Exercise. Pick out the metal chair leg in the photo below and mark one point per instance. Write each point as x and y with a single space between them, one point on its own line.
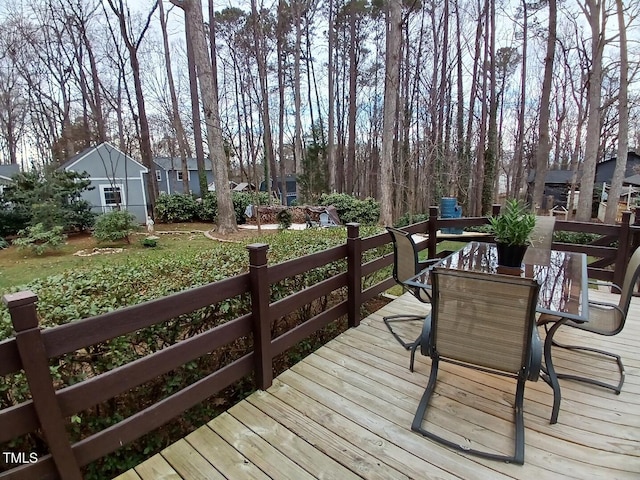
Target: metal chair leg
616 388
416 425
401 318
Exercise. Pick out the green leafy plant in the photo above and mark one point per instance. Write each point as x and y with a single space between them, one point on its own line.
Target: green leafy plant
350 209
176 208
115 226
513 226
284 218
51 197
40 239
150 242
3 243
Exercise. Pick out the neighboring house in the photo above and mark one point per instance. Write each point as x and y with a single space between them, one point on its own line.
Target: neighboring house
6 174
118 180
170 179
604 169
235 187
292 188
556 184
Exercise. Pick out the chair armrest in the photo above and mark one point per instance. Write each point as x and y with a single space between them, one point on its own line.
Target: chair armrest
424 294
607 305
425 336
600 283
429 262
535 359
423 341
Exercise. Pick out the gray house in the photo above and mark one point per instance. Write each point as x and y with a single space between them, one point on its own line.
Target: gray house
6 172
118 180
170 178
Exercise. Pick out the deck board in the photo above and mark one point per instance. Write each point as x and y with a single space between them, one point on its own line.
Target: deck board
344 412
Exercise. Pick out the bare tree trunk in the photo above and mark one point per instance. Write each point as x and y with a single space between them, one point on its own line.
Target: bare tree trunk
544 141
331 148
281 33
623 122
212 45
484 115
353 79
593 10
193 15
457 172
258 38
297 94
518 158
471 114
391 88
175 114
491 156
145 140
195 114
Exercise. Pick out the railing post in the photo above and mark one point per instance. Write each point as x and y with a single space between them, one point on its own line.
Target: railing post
432 231
623 254
354 273
259 275
35 363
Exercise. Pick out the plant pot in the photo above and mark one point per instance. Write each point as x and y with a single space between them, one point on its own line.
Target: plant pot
510 255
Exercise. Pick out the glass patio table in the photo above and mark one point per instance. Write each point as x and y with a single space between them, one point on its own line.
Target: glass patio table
563 289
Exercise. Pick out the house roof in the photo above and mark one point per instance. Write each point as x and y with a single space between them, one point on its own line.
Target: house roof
173 164
554 176
69 164
631 157
8 171
633 179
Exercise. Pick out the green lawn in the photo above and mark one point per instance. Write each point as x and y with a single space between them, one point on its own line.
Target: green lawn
18 267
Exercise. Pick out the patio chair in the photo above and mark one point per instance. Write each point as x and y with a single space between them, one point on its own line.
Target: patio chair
406 264
486 322
604 319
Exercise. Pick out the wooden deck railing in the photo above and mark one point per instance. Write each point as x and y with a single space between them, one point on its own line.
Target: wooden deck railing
49 410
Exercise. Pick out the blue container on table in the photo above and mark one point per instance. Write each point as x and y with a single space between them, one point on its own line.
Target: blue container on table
449 208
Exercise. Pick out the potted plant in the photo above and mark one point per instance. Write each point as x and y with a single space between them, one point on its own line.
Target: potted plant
512 230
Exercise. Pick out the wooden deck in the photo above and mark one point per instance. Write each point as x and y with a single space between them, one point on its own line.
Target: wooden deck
345 412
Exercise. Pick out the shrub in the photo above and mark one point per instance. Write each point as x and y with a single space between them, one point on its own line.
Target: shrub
176 208
115 226
150 242
50 197
241 200
410 219
207 207
579 238
3 243
350 209
40 239
284 219
12 220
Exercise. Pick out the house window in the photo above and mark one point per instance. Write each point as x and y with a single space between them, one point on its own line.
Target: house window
179 175
112 197
158 175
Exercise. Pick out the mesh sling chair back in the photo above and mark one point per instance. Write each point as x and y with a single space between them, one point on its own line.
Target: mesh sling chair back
406 264
486 322
605 319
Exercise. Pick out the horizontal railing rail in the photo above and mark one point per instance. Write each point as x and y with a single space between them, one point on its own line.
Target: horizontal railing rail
49 409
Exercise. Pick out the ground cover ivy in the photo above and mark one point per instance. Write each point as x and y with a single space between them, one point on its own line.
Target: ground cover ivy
85 292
